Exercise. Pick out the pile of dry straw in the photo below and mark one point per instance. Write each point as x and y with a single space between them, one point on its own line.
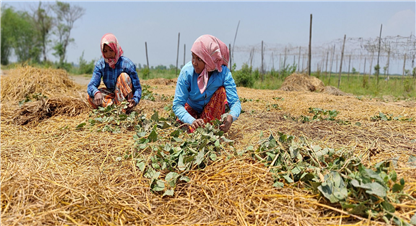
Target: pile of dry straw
53 174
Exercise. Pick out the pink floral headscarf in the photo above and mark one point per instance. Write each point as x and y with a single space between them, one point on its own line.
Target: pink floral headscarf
214 53
111 41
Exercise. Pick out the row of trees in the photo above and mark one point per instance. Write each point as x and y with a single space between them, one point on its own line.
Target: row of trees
31 35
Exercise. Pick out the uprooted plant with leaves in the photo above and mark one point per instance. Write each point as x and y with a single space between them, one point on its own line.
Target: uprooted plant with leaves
338 175
165 154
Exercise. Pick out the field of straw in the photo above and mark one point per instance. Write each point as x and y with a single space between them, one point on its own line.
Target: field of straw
54 174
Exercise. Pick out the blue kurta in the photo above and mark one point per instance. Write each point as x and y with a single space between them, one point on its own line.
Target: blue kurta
187 91
110 75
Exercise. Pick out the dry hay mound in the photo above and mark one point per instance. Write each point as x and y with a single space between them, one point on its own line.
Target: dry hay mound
302 82
335 91
160 81
26 81
33 112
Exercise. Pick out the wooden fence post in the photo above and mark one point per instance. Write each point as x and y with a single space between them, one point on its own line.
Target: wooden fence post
310 47
378 57
184 52
177 54
298 61
229 53
340 66
262 68
147 58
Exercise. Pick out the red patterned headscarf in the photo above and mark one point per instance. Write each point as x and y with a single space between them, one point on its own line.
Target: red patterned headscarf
214 53
111 40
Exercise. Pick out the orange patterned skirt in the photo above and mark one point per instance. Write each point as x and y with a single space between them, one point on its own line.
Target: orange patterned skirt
123 91
213 110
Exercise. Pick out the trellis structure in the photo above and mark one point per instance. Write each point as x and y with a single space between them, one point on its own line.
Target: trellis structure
397 55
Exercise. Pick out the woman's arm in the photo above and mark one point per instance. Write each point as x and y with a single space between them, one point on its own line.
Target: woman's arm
95 80
232 96
181 96
137 88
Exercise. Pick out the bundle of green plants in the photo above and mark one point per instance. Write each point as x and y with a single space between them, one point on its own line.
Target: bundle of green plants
338 175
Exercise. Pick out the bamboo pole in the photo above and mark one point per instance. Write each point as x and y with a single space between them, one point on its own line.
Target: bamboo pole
299 61
147 58
230 63
378 57
262 66
184 52
310 47
340 66
177 53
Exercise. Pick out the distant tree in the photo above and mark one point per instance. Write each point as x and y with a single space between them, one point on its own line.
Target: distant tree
66 15
354 71
19 35
7 17
44 25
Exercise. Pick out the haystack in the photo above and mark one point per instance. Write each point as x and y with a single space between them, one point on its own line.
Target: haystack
23 82
34 112
302 82
335 91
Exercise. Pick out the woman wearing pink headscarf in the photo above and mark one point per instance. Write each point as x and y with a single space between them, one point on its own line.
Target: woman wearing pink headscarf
118 74
205 86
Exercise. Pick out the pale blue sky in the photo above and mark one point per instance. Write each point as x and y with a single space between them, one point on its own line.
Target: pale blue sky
273 22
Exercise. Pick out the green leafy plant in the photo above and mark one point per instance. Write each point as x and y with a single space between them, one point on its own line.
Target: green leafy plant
112 118
389 117
339 176
179 153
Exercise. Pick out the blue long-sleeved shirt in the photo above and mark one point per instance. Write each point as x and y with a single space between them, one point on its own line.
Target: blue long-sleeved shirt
187 91
109 76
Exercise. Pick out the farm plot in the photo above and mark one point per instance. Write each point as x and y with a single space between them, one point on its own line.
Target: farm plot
292 158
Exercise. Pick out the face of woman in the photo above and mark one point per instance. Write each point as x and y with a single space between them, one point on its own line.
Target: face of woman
108 52
198 64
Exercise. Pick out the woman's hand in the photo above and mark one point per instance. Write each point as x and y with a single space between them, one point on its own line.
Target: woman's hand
131 104
198 123
227 124
98 99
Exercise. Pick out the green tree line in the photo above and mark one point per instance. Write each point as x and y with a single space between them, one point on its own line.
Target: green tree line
30 36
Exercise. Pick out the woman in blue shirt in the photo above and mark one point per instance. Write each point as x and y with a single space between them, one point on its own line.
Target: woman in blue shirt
119 76
205 86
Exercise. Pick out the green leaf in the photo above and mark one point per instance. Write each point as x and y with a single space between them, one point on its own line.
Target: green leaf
278 184
80 126
397 188
388 207
171 178
287 178
370 174
393 175
184 178
217 143
159 186
155 116
153 136
168 192
141 165
377 189
333 188
181 166
200 157
213 156
413 219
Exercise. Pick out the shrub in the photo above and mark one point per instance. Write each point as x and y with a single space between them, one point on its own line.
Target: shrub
243 77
